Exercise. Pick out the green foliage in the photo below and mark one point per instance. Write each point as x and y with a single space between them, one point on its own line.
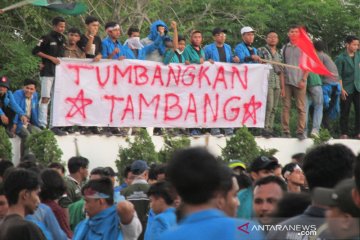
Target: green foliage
324 137
142 148
171 145
241 146
268 152
44 146
5 145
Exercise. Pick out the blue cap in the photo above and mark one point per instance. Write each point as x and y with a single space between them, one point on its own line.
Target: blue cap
138 167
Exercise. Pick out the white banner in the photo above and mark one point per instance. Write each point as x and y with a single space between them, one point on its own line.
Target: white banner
134 93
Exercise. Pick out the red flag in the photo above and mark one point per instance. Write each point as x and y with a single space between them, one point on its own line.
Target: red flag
309 60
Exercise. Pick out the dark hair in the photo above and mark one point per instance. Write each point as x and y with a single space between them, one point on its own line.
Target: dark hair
152 172
294 26
90 19
163 190
75 163
195 31
319 45
28 157
291 205
357 172
326 165
270 31
195 173
127 170
161 169
351 38
32 166
5 164
57 166
181 38
226 183
102 185
244 181
74 30
100 171
132 30
57 20
299 157
110 24
271 179
28 81
53 185
18 180
287 167
2 192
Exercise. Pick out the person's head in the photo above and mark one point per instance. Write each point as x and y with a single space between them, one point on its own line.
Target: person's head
356 190
219 35
21 188
342 215
161 29
227 200
98 195
161 195
57 167
128 176
319 45
352 43
196 38
79 165
237 166
293 33
248 35
28 157
29 87
133 32
168 42
326 165
113 30
160 172
140 169
277 171
4 85
58 24
74 35
243 180
298 158
181 43
267 193
262 166
293 174
272 39
4 206
53 185
291 205
92 25
196 175
32 166
4 164
109 172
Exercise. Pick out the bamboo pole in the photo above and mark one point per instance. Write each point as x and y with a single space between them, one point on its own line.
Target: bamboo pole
16 5
280 64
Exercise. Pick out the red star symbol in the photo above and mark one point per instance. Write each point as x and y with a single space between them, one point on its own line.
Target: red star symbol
250 110
75 108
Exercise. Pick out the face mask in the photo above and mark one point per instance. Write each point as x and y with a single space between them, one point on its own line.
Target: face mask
134 43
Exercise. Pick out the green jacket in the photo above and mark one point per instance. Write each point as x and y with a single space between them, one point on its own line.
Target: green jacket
349 71
193 56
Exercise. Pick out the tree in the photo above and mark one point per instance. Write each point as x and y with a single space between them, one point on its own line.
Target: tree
171 145
44 146
5 145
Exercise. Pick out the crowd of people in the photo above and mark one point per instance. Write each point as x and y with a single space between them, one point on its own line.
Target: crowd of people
324 97
193 196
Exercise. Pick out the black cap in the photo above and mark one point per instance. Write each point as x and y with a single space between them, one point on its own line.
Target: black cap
261 163
340 197
4 82
218 30
138 167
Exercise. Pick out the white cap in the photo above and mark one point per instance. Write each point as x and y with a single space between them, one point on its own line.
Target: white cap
246 30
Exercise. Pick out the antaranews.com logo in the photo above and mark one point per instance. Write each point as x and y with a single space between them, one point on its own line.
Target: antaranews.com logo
303 230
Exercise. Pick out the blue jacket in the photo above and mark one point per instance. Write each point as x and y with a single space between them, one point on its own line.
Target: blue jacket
211 52
333 97
150 221
241 51
9 101
102 226
108 46
212 224
19 96
154 34
129 54
162 222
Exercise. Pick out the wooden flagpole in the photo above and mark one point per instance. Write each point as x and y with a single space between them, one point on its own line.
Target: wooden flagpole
16 5
280 64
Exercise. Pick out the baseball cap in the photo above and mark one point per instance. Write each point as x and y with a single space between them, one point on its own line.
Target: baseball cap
246 30
4 82
138 167
261 163
218 30
339 197
236 163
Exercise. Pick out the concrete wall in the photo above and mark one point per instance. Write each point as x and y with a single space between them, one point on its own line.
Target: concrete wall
103 151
